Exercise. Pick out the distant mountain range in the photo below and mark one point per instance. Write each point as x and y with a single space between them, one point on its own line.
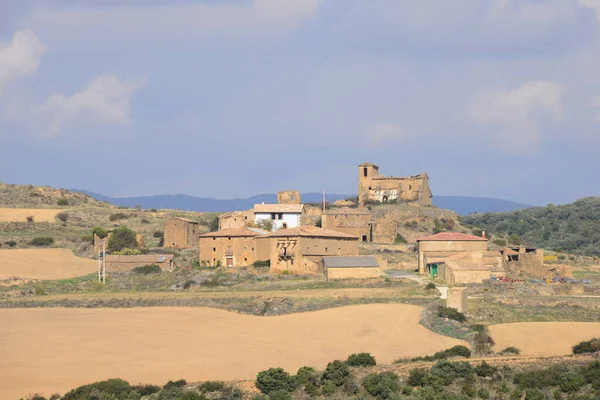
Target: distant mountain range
460 204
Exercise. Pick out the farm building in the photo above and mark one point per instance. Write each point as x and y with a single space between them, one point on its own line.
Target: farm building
435 248
344 267
181 233
235 219
468 267
283 216
234 247
127 263
353 221
301 250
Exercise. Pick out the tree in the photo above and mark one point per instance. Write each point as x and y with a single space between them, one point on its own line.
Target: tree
265 225
100 232
214 224
122 238
514 239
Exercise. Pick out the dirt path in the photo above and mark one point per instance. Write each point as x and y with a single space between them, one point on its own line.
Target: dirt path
44 264
53 350
543 338
21 214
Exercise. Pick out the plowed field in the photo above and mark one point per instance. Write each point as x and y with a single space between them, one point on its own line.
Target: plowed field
44 264
21 214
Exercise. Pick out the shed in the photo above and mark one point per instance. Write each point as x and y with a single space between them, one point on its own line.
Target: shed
345 267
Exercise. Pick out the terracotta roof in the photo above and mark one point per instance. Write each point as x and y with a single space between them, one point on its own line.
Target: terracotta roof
236 232
347 210
279 208
451 237
185 220
312 231
141 258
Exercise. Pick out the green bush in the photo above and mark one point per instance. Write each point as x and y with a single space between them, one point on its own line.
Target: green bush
11 243
158 234
117 217
211 386
62 202
483 393
100 232
214 224
448 371
361 360
179 384
571 382
42 241
147 269
587 346
399 239
63 216
417 377
451 313
112 388
382 386
482 343
275 379
539 378
122 238
430 286
191 395
485 370
336 372
478 328
511 350
328 388
304 374
146 390
500 242
280 395
261 264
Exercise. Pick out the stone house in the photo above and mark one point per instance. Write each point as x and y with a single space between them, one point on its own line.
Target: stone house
374 187
235 219
301 250
289 197
470 267
127 263
283 216
238 247
435 248
181 233
345 267
353 221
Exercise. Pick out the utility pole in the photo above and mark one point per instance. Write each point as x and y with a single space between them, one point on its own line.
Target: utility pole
323 202
104 260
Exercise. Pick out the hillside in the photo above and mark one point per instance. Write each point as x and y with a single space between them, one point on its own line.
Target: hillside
572 228
461 205
28 196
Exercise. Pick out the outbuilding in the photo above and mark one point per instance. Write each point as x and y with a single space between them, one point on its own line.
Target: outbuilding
347 267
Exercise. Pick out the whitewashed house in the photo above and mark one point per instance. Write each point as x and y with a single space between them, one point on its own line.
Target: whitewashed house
283 216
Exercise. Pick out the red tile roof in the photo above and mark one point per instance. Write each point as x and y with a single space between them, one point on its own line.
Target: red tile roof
451 237
236 232
312 231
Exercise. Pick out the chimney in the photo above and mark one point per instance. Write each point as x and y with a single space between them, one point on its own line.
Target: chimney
483 234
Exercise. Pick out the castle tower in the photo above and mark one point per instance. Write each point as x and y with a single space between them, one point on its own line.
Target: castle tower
366 172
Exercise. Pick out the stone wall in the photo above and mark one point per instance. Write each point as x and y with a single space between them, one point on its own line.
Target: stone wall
180 234
241 251
350 273
457 298
374 187
288 197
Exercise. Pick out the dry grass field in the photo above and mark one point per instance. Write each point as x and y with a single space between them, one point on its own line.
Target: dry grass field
43 264
21 214
543 338
53 350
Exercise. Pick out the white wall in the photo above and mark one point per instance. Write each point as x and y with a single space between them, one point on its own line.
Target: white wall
292 220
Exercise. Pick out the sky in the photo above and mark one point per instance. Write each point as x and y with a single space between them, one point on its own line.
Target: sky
231 98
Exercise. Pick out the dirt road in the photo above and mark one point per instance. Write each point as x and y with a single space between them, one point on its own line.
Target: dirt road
44 264
53 350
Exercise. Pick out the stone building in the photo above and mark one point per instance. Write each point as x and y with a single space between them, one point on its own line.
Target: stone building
347 267
435 248
127 263
181 233
529 262
236 219
469 267
353 221
289 197
374 187
301 250
283 216
238 247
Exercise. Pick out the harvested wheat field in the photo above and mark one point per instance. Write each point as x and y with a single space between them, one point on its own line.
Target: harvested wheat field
21 214
44 264
53 350
543 338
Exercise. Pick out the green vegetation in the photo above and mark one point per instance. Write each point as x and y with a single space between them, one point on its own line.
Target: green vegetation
275 379
399 239
588 346
63 216
122 238
430 286
511 350
572 228
147 269
100 232
261 264
456 351
451 313
361 360
62 202
118 217
43 241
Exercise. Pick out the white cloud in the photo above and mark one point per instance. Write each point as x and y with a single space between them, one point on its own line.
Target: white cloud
20 57
380 133
107 100
593 4
512 117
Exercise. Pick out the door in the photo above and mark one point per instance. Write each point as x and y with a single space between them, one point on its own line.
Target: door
229 261
434 268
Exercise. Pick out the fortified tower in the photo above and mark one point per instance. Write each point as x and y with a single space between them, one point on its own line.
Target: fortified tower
366 172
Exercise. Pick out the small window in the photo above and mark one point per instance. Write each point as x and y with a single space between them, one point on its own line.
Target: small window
214 238
253 249
284 225
280 216
214 260
245 259
273 215
214 249
365 172
326 250
229 237
246 217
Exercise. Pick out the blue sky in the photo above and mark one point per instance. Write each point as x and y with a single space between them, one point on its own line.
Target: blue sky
495 98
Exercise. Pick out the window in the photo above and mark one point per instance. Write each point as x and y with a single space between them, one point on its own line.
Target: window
246 217
214 238
229 237
280 216
326 249
284 225
364 238
214 249
292 197
253 249
273 215
365 172
245 259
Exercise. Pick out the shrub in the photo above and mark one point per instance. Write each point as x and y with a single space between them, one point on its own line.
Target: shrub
100 232
483 393
482 343
189 283
42 241
180 383
304 374
539 378
417 377
30 218
261 264
430 286
280 395
146 390
361 360
158 234
451 313
485 370
478 328
62 202
147 269
448 371
328 388
112 388
63 216
456 351
191 395
128 252
514 239
275 379
588 346
211 386
145 221
571 382
11 243
399 239
117 217
122 238
214 224
511 350
500 242
170 393
336 372
382 386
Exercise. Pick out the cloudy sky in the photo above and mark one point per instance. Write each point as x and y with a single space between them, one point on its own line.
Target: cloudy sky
230 98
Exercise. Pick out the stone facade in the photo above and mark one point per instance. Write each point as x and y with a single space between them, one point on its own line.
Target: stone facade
301 250
435 248
374 187
457 298
236 219
127 263
353 221
469 267
181 233
288 197
234 247
360 267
